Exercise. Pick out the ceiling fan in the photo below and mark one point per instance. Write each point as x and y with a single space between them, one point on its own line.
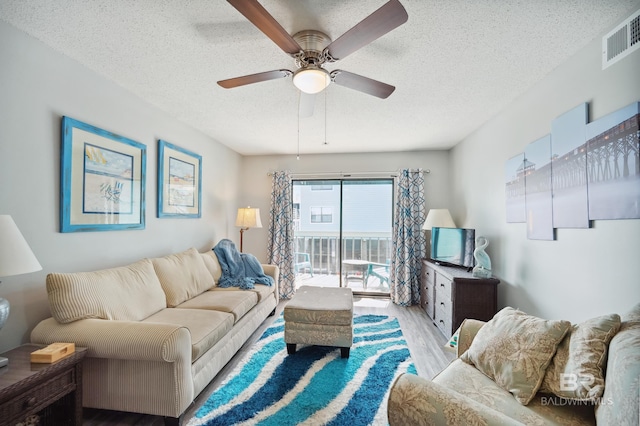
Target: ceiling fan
312 49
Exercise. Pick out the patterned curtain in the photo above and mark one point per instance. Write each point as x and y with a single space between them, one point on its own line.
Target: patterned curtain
281 232
408 238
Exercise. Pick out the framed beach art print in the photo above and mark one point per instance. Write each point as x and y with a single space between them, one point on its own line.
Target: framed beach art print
102 180
179 182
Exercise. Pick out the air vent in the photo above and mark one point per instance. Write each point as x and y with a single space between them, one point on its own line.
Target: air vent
621 41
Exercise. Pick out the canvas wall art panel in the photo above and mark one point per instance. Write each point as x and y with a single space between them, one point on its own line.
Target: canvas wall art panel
102 180
514 175
538 196
569 166
613 165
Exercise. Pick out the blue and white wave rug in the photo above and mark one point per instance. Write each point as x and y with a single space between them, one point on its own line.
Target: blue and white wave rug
315 386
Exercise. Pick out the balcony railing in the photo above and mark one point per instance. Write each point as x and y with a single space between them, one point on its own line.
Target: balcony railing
324 250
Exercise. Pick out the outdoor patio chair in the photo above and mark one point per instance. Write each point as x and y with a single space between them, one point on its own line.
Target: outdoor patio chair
303 261
380 271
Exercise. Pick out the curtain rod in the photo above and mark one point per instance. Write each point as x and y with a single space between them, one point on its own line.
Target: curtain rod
347 174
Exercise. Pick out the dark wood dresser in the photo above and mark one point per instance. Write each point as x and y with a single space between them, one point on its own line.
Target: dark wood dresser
450 294
52 391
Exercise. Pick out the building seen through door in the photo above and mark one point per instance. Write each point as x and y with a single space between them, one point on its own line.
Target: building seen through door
342 233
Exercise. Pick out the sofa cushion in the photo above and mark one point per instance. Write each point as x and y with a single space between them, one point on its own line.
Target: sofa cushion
514 349
236 302
128 293
262 291
211 262
183 276
206 327
620 404
577 369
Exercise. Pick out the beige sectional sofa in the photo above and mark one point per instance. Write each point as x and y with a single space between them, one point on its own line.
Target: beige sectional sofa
157 331
599 359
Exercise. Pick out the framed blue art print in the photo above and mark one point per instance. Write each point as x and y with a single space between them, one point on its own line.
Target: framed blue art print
179 182
102 182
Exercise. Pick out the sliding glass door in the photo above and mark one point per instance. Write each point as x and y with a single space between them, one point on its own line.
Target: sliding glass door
343 233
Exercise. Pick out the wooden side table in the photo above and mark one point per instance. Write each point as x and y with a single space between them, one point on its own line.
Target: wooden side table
54 391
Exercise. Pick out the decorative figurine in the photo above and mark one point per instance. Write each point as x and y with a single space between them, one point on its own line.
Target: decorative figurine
483 263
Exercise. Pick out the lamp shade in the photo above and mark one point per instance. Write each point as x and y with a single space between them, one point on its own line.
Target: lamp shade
16 256
438 218
311 79
248 218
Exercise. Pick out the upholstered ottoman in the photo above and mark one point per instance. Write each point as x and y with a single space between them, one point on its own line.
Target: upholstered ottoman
320 316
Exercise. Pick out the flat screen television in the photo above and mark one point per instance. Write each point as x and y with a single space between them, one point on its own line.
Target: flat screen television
453 246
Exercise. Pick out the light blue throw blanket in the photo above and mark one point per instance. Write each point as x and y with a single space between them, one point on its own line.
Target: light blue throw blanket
239 269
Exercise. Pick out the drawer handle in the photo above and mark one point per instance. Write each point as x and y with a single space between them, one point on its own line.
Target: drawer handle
442 321
441 285
441 303
30 402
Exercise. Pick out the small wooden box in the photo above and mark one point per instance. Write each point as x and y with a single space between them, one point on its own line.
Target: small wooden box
52 353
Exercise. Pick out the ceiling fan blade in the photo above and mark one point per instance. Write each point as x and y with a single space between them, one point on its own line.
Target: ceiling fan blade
307 104
254 78
362 84
390 16
258 15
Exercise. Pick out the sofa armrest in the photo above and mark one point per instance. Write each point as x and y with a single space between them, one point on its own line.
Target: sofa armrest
129 340
414 400
467 332
274 272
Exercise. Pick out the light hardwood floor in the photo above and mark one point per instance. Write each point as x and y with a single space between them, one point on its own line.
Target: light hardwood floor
423 338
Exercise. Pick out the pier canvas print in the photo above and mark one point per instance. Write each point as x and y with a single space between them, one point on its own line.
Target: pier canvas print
102 179
179 181
613 165
569 166
515 173
538 196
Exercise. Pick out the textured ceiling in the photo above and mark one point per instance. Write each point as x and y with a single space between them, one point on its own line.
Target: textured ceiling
455 64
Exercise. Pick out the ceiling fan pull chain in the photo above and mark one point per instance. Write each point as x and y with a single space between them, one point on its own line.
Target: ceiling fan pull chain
299 100
325 118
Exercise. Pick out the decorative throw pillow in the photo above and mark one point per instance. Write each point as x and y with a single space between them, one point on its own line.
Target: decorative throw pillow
127 293
576 370
514 349
183 276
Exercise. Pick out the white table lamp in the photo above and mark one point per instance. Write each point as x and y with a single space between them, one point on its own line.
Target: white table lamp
436 218
16 258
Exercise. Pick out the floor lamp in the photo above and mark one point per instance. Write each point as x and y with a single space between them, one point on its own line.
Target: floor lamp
436 218
247 218
16 258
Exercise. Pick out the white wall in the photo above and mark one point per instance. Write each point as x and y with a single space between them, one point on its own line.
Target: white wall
256 184
585 272
37 87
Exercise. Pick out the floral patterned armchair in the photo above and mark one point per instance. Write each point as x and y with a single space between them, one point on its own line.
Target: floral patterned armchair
477 391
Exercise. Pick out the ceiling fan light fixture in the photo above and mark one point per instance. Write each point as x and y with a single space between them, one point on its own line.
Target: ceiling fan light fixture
311 79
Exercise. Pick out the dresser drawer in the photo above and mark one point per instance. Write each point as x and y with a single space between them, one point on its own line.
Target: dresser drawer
443 304
443 322
430 275
430 289
40 396
443 287
430 307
